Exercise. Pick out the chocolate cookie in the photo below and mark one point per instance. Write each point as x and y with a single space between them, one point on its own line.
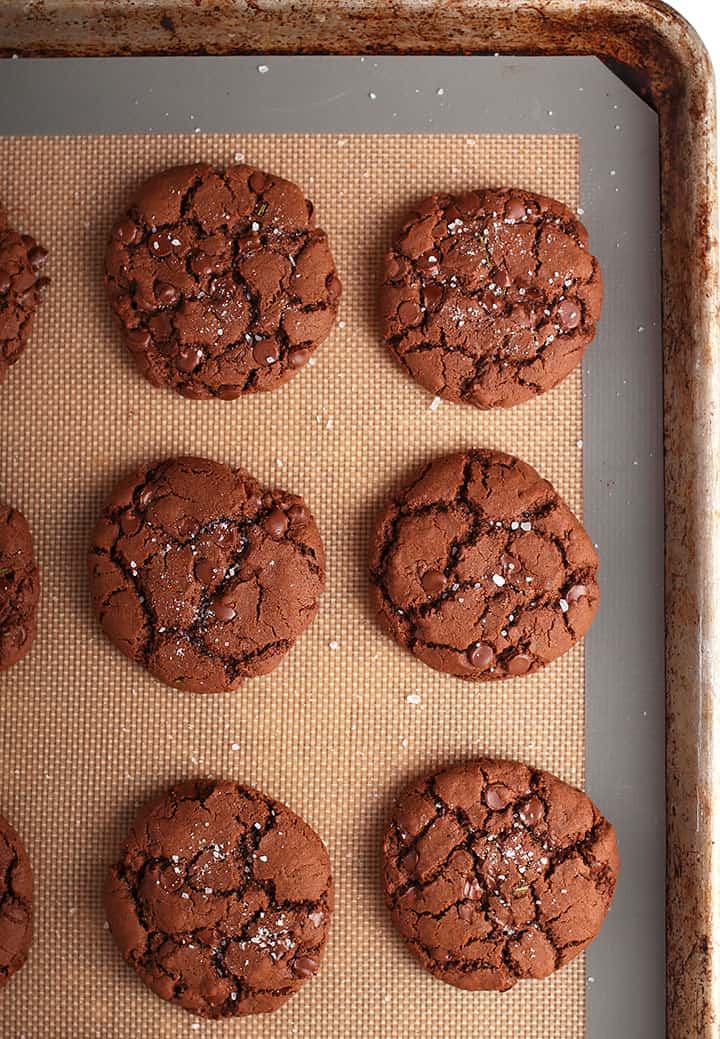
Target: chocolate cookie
490 297
19 588
16 911
21 289
481 570
202 576
496 872
221 280
221 899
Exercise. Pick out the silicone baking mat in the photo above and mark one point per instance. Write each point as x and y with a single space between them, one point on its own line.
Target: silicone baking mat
348 718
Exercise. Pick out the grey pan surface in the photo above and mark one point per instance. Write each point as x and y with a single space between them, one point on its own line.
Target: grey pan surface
622 407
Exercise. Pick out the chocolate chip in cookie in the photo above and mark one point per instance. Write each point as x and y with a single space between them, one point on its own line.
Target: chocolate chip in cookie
221 899
221 280
202 576
481 570
16 902
496 872
19 588
22 285
491 297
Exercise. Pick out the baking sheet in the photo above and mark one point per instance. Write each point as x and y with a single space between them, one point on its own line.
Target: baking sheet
85 735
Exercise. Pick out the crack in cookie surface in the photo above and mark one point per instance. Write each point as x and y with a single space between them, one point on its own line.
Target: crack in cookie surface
203 577
481 570
16 911
22 287
19 588
495 872
221 280
490 297
221 899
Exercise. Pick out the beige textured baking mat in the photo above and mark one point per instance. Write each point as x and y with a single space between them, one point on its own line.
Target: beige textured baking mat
85 736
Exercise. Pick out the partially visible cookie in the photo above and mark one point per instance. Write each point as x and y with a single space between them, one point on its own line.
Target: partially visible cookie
496 872
16 910
221 280
19 587
221 899
490 297
203 576
21 289
481 570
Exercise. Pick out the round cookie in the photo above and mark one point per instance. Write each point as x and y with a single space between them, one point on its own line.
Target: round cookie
16 911
221 899
19 588
495 872
221 280
490 297
202 576
481 570
21 289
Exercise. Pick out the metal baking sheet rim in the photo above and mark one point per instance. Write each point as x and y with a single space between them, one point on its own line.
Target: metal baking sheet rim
646 36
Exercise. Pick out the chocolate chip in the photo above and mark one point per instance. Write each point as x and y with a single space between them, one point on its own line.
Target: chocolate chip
409 860
519 664
433 582
316 918
201 264
568 315
305 966
189 359
515 209
501 278
276 523
394 267
145 497
37 257
472 888
481 656
265 352
130 523
578 591
465 912
297 514
433 296
138 339
205 571
170 879
223 610
297 358
160 245
409 313
532 812
126 231
165 293
497 797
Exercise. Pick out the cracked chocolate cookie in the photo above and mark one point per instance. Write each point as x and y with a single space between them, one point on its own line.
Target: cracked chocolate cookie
491 297
221 280
21 289
496 872
481 570
16 911
202 576
19 588
221 899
